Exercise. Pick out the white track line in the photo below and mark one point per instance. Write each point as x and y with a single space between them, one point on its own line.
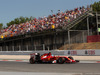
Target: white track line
88 62
37 73
16 60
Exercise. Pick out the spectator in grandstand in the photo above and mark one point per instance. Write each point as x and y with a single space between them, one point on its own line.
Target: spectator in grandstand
51 22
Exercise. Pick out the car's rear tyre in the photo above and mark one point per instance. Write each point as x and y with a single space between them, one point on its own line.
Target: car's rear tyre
61 60
31 61
71 57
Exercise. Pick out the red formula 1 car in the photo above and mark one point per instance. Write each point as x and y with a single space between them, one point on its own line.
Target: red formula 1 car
48 58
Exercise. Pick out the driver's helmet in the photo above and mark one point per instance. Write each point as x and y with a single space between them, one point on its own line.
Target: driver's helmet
36 53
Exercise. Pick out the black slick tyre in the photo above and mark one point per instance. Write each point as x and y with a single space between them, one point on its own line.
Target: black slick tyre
31 61
60 60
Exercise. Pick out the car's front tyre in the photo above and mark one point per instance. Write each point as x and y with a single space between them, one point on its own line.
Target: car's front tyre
60 60
31 61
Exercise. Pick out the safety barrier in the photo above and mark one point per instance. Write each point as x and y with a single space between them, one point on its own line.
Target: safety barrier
55 52
91 52
82 52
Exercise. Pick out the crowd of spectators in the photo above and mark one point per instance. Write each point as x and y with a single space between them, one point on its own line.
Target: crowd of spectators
51 22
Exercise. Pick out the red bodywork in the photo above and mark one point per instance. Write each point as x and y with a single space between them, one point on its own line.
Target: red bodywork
47 57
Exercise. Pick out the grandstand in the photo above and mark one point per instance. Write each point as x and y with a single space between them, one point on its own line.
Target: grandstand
48 33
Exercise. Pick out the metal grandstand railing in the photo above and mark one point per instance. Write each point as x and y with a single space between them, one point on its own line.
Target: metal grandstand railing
31 47
76 21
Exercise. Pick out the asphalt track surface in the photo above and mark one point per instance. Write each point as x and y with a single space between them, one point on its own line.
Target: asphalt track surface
6 66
